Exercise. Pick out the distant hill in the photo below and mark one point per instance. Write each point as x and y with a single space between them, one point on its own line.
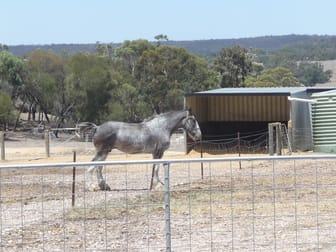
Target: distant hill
266 43
207 48
24 50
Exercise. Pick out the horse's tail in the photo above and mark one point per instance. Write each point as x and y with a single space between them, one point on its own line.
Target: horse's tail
86 127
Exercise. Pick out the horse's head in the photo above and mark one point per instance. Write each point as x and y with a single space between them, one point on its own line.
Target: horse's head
191 126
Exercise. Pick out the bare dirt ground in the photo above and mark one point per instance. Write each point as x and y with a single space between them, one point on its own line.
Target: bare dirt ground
264 206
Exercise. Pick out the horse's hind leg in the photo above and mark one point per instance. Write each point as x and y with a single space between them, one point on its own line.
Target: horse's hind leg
155 180
100 156
155 176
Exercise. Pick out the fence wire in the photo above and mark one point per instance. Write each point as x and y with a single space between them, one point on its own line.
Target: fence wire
270 204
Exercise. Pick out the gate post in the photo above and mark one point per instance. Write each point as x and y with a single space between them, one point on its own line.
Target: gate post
167 206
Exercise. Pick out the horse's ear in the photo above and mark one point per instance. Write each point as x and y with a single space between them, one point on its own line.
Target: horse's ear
189 110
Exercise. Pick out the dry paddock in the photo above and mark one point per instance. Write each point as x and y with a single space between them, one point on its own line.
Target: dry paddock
260 205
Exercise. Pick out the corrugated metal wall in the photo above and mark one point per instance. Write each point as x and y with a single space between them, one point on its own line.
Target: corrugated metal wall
199 106
240 108
324 122
300 128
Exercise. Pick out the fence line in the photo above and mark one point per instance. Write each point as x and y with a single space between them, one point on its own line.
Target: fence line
170 161
276 203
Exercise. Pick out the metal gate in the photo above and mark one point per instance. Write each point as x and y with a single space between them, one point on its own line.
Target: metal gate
254 203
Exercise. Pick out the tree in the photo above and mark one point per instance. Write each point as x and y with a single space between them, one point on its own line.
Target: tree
11 73
276 77
311 73
129 52
257 69
45 83
3 47
89 84
166 73
126 103
160 38
6 109
233 64
104 50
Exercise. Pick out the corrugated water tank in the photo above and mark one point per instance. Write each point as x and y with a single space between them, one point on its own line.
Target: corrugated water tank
324 121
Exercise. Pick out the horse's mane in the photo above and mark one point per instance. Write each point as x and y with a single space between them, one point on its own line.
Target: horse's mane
150 118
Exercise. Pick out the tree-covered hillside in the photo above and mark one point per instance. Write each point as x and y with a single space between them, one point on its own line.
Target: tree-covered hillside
313 47
212 47
130 81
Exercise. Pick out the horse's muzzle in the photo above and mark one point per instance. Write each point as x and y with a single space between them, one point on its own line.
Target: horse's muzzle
196 136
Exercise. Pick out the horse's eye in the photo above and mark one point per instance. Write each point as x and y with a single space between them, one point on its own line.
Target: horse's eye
192 123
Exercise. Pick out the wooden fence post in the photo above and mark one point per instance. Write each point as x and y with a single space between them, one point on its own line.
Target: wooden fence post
278 139
47 142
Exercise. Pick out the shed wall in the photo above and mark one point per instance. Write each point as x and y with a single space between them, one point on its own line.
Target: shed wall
240 108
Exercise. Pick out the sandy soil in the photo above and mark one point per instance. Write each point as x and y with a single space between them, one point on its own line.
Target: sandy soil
264 206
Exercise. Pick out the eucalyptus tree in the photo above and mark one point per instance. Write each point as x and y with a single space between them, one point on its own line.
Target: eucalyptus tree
310 73
12 77
44 84
166 73
234 65
11 73
104 50
160 37
3 47
89 84
127 93
130 51
275 77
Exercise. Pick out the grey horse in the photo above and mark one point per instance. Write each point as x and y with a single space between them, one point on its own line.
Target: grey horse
150 136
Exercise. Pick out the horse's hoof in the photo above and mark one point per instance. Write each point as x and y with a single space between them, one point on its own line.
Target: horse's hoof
158 186
104 187
93 188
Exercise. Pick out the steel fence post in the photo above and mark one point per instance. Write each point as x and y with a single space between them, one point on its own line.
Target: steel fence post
167 205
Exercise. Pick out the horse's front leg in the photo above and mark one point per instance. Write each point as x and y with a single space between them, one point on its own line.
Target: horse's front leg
100 156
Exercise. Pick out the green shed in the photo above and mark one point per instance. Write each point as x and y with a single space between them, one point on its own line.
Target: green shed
324 121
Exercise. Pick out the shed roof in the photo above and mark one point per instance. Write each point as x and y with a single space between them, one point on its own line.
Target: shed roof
259 91
325 93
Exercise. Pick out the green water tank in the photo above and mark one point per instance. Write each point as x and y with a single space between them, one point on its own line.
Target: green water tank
324 121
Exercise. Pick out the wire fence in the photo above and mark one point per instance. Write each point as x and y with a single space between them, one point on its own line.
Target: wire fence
255 203
45 144
18 147
249 142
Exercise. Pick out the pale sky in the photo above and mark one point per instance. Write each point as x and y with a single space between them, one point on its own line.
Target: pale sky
87 21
